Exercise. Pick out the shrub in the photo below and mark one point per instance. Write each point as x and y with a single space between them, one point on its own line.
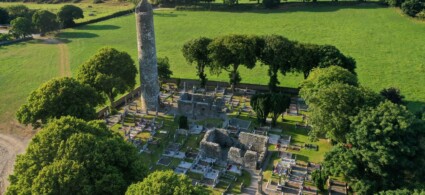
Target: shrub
5 37
421 15
412 7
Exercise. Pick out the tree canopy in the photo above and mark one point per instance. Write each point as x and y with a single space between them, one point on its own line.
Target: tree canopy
196 51
164 183
16 11
323 77
278 104
44 21
4 16
277 53
229 52
59 97
382 151
261 104
68 13
20 27
110 72
72 156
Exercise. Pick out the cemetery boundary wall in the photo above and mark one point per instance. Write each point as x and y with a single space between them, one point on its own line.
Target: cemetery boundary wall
193 82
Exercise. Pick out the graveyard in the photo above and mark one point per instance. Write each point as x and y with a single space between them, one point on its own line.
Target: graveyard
223 141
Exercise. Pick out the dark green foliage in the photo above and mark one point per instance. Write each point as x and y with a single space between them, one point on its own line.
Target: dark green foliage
196 51
319 178
261 104
183 123
57 98
4 16
413 7
20 27
420 114
394 3
71 156
164 71
68 13
276 52
278 104
16 11
309 56
110 72
44 21
164 183
5 37
393 95
229 52
271 3
403 192
383 150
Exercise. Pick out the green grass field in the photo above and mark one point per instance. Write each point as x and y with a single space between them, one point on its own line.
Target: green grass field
90 10
388 47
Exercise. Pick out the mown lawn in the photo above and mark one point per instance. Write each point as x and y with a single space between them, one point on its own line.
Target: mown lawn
90 10
388 47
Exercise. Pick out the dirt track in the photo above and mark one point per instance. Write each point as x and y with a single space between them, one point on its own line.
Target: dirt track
14 139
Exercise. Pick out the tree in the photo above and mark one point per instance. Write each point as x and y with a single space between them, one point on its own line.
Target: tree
59 97
4 16
383 150
277 53
20 27
68 13
164 183
164 71
72 156
413 7
196 51
392 94
403 192
331 56
231 51
271 3
16 11
44 21
321 78
278 104
110 72
306 58
332 107
261 104
319 178
182 120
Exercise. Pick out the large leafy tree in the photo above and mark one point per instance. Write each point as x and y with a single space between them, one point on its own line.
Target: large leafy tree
72 156
277 53
278 104
110 72
20 27
68 13
164 183
261 104
16 11
44 21
231 51
321 78
196 51
59 97
383 150
309 56
332 107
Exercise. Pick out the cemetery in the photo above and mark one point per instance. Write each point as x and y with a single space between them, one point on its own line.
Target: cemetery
219 149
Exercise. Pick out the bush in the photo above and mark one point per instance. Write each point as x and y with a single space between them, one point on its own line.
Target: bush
421 15
394 3
183 124
5 37
412 7
271 3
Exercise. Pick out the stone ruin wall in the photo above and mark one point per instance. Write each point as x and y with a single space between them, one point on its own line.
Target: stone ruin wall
259 142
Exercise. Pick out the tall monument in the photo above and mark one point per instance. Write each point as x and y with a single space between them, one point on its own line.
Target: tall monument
147 56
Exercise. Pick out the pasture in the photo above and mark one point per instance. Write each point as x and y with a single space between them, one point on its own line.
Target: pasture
388 47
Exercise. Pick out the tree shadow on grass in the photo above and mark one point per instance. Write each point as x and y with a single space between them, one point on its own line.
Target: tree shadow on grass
415 106
98 27
76 35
